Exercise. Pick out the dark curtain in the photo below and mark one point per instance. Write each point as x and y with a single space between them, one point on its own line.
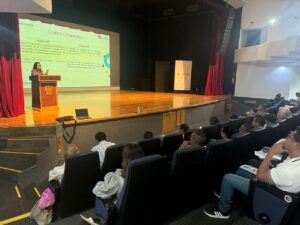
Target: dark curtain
214 83
11 83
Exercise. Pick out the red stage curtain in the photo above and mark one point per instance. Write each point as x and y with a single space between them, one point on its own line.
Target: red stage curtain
214 83
11 83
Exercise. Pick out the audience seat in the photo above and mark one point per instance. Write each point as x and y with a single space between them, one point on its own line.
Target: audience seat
236 123
186 169
218 162
112 159
80 177
284 128
170 144
151 146
261 137
211 131
242 149
272 206
275 132
141 200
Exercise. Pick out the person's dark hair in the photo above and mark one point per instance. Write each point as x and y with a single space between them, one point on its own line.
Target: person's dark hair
201 138
233 117
184 127
261 120
213 120
254 110
297 94
278 95
148 135
248 126
35 66
271 118
130 152
297 135
228 130
100 136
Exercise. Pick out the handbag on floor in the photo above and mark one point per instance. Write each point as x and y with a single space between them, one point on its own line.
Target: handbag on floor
41 216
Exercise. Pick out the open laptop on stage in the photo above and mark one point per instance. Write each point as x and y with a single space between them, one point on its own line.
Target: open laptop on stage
82 114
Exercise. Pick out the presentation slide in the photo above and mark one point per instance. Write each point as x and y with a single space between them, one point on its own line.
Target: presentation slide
81 58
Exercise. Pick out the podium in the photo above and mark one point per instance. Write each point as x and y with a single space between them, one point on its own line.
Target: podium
44 91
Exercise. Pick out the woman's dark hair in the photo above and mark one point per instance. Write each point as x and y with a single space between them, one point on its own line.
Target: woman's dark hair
184 127
130 152
213 120
35 66
148 135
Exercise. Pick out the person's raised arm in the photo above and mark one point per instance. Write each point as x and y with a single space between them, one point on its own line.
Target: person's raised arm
263 172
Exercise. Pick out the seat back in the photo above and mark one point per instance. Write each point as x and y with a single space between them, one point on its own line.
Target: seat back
186 168
170 144
242 149
211 131
284 128
261 137
141 199
218 162
80 177
112 159
273 206
236 123
151 146
275 132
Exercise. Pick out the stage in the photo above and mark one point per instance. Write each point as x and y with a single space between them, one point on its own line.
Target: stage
108 105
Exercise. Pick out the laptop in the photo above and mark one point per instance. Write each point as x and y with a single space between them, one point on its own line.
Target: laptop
82 114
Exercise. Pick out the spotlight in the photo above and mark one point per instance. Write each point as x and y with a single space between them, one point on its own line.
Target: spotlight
273 21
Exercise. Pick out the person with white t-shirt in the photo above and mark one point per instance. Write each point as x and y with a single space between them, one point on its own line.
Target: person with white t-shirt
101 146
286 176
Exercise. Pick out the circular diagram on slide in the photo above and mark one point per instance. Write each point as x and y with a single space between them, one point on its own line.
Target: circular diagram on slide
107 60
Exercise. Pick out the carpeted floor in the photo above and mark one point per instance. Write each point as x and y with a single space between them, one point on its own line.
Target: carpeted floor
195 217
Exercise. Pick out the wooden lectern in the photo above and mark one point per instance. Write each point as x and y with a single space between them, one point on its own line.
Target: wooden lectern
44 91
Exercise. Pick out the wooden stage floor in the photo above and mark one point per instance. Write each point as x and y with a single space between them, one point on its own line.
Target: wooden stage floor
106 105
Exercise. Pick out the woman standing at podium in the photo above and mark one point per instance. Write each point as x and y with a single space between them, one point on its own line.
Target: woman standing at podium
37 69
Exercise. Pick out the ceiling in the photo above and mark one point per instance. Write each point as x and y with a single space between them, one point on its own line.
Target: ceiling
154 8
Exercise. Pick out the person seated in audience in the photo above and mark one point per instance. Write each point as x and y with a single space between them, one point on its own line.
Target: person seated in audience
243 129
283 113
277 98
110 188
148 135
270 119
285 176
226 132
233 117
101 146
297 98
258 122
183 129
197 138
213 120
57 173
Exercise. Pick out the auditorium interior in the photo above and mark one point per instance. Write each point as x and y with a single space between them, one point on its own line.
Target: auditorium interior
150 112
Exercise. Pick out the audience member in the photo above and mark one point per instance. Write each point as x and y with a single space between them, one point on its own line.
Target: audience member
245 128
270 119
198 138
285 176
148 135
183 129
258 122
110 188
277 98
283 113
213 120
58 171
233 117
101 146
